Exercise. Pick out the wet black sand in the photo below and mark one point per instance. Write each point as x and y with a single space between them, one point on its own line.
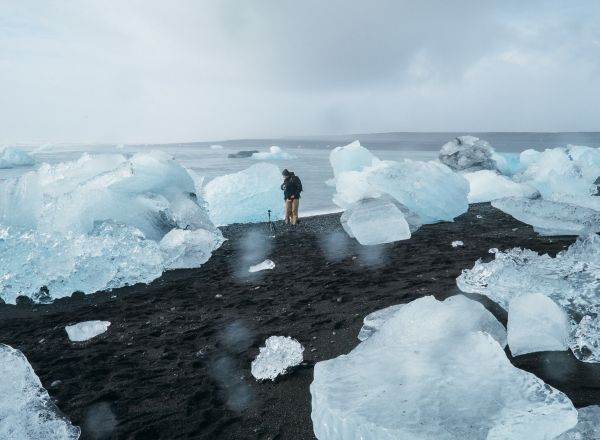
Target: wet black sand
175 362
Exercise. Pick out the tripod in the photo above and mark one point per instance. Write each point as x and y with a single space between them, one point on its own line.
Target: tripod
271 224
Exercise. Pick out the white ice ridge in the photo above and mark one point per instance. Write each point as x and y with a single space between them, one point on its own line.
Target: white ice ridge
265 265
468 153
100 222
216 147
11 157
549 217
536 323
588 425
428 190
279 354
274 153
487 185
83 331
434 371
26 410
246 196
571 280
457 243
375 221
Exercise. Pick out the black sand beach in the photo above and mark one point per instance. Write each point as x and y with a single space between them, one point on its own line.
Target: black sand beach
175 363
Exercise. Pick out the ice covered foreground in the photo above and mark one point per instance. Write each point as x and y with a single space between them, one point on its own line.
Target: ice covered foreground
26 410
375 221
433 371
428 190
278 355
588 425
274 153
571 279
83 331
14 157
536 323
246 196
549 217
100 222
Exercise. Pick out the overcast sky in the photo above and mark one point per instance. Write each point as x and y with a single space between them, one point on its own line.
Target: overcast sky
159 71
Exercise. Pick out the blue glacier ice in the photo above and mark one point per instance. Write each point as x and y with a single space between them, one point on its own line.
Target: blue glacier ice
246 196
11 157
26 410
100 222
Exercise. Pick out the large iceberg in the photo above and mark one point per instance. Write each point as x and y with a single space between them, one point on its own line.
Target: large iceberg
246 196
375 221
487 185
468 153
26 410
12 157
274 153
429 190
536 323
279 354
433 372
549 217
571 279
100 222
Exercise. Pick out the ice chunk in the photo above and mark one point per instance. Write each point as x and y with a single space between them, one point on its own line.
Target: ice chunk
278 355
185 249
83 331
246 196
265 265
571 280
351 157
536 323
551 218
588 425
486 185
433 372
586 338
457 243
95 224
216 147
374 321
274 153
467 153
26 410
375 221
14 157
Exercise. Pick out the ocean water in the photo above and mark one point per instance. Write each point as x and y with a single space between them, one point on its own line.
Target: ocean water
312 162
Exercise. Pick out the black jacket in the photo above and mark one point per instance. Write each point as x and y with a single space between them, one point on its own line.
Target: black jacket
292 186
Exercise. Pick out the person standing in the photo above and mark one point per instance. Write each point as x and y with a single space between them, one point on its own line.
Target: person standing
291 187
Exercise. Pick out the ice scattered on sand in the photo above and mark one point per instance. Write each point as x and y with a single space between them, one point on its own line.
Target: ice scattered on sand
278 355
434 371
468 153
12 157
86 330
486 185
588 425
536 323
571 280
457 243
551 218
216 147
374 321
26 410
96 223
245 197
274 153
375 221
265 265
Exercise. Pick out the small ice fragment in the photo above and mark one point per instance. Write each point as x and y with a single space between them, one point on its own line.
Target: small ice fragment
265 265
216 147
373 321
586 337
536 323
26 410
86 330
479 216
588 425
278 355
457 243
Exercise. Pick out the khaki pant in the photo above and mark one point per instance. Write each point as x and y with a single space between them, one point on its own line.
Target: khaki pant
291 210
